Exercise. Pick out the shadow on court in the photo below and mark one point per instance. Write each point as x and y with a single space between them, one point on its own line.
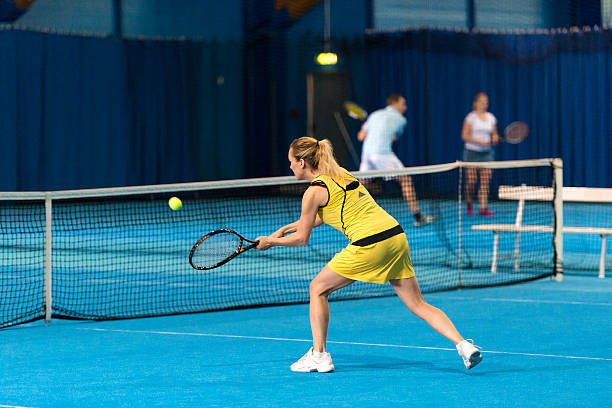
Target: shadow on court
348 363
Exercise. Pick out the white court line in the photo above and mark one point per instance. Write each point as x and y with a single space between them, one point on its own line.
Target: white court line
12 406
559 302
232 336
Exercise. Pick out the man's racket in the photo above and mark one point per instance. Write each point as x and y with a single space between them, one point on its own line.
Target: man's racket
355 111
515 132
218 248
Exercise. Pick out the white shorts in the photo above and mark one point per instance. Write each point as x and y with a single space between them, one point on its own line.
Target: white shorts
380 162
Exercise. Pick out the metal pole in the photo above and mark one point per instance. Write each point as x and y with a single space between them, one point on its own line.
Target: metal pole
558 220
327 26
347 139
48 265
471 14
117 11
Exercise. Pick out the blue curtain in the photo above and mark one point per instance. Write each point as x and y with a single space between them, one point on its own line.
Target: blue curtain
84 112
8 111
559 83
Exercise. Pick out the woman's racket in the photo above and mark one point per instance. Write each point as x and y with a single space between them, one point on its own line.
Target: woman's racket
515 132
218 248
355 111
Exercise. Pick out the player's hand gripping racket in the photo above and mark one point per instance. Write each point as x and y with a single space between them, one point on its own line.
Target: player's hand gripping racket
218 248
355 111
515 132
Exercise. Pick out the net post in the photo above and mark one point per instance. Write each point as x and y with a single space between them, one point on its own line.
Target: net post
602 257
558 218
47 268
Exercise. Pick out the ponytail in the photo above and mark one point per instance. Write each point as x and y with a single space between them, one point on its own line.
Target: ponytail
327 163
319 155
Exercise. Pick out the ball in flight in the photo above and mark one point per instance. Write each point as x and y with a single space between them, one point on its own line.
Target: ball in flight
175 203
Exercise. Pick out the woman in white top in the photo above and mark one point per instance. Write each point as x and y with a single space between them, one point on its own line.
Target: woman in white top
479 134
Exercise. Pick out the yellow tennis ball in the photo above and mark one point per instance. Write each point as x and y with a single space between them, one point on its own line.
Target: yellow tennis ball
175 203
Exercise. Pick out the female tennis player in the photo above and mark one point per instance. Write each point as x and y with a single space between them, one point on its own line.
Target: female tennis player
378 250
479 133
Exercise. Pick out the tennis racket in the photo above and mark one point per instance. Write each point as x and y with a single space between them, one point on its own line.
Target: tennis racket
218 248
355 111
515 132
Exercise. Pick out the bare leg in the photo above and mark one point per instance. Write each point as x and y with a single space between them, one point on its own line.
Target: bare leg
483 191
470 182
409 292
326 282
408 193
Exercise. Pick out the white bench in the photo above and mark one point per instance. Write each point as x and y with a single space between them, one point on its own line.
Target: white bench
522 193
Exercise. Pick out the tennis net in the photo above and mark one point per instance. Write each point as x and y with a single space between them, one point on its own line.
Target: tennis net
123 253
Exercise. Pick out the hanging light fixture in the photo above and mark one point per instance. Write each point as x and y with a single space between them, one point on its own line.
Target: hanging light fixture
327 57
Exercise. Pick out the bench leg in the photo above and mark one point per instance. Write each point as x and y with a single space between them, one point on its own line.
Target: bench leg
602 258
517 251
495 246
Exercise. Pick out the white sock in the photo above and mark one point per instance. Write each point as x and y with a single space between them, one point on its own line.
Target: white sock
317 354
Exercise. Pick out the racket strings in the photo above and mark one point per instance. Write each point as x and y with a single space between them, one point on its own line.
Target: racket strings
515 132
216 248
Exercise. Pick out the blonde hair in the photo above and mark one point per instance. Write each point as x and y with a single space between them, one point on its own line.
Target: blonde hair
318 154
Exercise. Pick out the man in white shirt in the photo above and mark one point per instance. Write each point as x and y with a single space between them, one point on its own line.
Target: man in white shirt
378 133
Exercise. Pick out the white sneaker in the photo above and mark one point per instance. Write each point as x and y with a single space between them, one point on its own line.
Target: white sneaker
309 363
469 353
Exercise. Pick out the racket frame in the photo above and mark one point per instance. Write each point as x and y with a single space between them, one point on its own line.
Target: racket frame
241 248
355 111
524 132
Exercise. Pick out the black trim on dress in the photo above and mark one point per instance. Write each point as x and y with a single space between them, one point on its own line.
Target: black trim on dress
320 183
381 236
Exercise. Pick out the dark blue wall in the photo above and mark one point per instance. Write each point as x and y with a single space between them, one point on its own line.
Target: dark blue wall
81 111
559 83
219 20
488 14
84 112
9 10
279 52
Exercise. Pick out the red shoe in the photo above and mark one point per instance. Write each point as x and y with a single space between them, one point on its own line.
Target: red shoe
469 209
485 212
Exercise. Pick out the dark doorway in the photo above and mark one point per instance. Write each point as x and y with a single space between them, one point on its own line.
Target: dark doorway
327 92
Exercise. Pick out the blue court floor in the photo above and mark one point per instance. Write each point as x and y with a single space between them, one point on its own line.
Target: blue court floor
545 344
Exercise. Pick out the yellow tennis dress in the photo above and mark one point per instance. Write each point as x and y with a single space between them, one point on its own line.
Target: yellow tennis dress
378 249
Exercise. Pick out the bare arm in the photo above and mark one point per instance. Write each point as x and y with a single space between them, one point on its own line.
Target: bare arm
300 230
362 134
291 228
494 135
